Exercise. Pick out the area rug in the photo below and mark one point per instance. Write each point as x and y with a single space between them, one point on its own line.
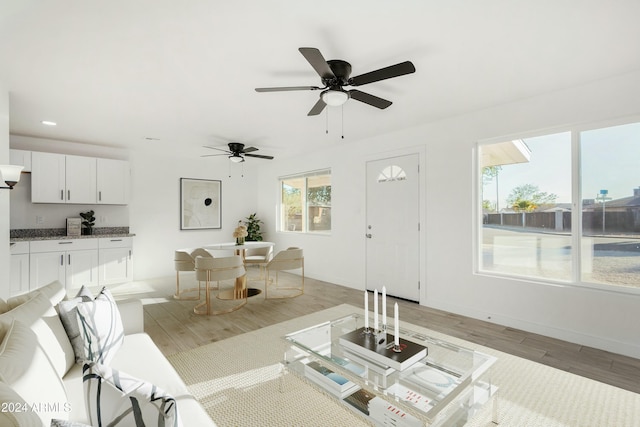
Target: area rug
239 382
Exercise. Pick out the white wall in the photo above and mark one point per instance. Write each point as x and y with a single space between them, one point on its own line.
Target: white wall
155 206
4 195
603 319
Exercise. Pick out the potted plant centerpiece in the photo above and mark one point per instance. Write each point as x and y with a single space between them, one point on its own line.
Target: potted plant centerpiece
240 233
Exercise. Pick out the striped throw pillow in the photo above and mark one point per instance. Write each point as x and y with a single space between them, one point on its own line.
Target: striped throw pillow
116 399
100 328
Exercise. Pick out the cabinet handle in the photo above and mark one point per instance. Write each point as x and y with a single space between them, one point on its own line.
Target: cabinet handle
129 254
68 194
69 258
61 259
116 240
61 194
65 243
99 196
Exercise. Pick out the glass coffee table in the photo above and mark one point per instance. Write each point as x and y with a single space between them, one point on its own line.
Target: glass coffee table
447 387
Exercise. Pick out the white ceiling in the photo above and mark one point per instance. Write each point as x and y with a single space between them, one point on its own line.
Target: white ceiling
116 72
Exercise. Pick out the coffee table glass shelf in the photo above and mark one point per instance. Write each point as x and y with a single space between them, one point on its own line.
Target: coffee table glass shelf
447 387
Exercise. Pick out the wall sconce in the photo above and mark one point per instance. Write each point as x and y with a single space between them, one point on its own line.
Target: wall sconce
10 175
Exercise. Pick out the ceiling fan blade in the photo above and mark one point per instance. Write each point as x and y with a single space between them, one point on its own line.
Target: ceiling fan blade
214 148
214 155
317 108
383 73
369 99
286 88
259 156
249 149
317 61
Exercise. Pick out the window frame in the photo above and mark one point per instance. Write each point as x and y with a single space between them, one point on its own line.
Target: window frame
281 228
575 131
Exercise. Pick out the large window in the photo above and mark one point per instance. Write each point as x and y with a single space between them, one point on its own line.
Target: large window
306 202
563 206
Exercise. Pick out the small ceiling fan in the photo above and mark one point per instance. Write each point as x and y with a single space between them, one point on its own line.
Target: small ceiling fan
335 73
237 152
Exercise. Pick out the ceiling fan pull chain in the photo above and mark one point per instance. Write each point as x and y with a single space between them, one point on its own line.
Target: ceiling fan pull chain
342 110
326 126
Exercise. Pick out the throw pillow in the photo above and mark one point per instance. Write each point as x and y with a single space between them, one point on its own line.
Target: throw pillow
116 399
38 314
25 367
100 328
68 311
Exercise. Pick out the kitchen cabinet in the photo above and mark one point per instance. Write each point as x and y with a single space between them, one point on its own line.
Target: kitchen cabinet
60 178
112 182
73 262
19 279
20 158
115 260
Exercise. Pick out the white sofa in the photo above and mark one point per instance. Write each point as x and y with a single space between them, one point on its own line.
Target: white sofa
52 387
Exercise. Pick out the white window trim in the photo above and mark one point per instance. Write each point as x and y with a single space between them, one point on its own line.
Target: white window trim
576 217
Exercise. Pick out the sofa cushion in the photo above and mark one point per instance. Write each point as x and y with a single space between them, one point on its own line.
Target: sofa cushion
100 328
115 398
68 311
4 307
38 314
26 368
55 291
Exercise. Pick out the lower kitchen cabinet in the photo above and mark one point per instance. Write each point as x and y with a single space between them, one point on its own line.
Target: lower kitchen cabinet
19 279
115 260
73 262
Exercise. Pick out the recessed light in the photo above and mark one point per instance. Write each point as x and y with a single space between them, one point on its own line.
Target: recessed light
48 123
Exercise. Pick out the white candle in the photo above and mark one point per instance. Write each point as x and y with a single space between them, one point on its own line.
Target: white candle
396 326
384 307
366 310
375 309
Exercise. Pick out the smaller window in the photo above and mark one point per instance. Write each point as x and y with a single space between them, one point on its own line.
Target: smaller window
392 173
305 202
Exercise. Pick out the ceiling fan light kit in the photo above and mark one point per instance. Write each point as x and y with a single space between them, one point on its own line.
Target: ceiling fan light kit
335 74
334 97
236 158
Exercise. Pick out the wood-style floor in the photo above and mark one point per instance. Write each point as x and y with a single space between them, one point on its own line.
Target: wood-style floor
174 327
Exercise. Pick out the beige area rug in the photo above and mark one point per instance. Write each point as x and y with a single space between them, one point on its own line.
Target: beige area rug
238 382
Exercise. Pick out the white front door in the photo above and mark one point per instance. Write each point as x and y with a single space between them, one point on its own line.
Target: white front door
393 228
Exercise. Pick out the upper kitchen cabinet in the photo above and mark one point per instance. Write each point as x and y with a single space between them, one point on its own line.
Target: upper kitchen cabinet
59 178
113 181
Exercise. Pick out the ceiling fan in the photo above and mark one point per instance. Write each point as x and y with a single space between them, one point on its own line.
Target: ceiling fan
335 73
237 152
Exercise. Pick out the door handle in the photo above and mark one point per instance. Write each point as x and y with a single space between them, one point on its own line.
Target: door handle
368 236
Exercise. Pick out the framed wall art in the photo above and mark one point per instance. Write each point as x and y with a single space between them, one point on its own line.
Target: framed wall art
200 204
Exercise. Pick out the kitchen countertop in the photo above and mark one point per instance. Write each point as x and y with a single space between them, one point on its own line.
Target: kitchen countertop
35 234
60 237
